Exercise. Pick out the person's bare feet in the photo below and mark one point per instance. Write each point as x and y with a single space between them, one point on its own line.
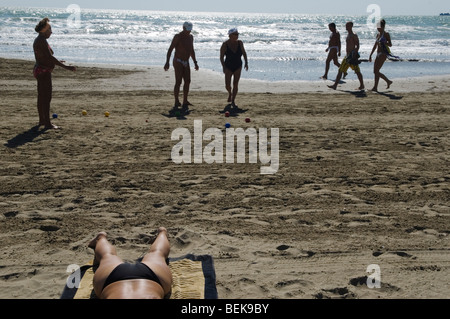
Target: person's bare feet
334 87
389 84
162 230
51 127
93 243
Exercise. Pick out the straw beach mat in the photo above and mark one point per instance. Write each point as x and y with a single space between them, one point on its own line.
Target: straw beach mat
194 277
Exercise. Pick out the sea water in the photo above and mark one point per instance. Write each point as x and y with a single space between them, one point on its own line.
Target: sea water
280 47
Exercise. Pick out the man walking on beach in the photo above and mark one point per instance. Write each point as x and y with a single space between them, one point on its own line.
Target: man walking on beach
352 58
334 49
183 43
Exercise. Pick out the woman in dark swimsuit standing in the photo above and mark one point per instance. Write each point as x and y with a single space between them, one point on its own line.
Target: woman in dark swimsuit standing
233 50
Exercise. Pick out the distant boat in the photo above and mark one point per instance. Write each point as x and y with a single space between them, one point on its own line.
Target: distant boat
445 14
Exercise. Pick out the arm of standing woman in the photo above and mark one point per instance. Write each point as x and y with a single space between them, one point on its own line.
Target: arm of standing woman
244 53
223 49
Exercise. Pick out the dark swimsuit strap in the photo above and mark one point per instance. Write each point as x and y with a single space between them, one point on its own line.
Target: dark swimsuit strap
238 51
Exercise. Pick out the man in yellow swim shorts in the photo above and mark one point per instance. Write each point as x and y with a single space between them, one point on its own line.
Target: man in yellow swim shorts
351 60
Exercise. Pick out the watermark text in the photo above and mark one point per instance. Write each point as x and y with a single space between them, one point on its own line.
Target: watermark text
190 148
374 279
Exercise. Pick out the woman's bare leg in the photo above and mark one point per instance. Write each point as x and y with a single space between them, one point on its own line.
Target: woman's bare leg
106 258
156 259
236 78
44 99
228 76
379 62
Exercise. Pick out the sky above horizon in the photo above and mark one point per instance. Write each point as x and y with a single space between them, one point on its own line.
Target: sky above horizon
347 7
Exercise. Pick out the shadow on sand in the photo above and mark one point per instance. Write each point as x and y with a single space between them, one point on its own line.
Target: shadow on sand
25 137
357 93
390 95
179 114
233 111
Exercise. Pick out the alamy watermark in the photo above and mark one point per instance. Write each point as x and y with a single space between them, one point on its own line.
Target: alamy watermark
74 19
190 148
74 279
374 18
374 279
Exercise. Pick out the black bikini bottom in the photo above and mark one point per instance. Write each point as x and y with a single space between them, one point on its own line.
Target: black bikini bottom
128 271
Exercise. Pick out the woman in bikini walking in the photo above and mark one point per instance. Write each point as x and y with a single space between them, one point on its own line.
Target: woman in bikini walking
233 49
382 43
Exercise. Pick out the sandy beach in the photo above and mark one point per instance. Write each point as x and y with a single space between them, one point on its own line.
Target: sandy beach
363 180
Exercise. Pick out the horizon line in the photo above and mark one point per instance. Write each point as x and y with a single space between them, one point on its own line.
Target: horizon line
229 12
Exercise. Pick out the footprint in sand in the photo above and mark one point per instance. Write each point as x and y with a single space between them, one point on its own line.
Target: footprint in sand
336 293
418 230
49 228
293 288
186 239
11 214
362 282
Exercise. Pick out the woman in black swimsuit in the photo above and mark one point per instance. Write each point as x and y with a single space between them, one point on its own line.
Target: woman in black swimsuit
233 50
149 279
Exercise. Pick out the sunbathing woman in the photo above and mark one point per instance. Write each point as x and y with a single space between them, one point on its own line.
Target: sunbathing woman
115 279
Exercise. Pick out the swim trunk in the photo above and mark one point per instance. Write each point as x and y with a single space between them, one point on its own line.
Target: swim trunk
127 271
182 62
346 63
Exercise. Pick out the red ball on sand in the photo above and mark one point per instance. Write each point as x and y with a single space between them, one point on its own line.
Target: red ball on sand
247 120
227 114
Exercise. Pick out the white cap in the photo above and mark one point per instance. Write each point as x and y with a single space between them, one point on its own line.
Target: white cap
234 30
188 26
